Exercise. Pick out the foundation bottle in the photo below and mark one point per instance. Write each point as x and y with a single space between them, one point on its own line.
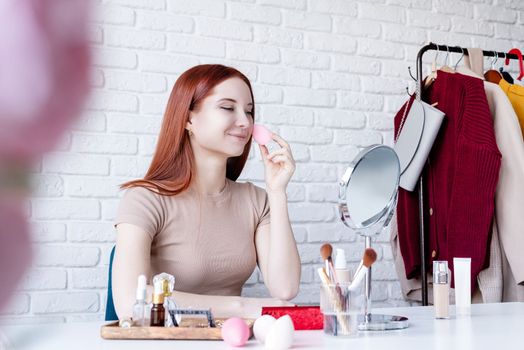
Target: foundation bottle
441 289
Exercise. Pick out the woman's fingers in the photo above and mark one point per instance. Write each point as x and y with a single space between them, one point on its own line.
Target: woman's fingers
281 155
281 141
277 152
263 151
281 159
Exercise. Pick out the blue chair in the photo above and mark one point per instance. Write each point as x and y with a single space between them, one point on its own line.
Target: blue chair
110 306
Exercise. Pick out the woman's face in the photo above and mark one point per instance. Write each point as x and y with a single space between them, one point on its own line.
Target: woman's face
223 122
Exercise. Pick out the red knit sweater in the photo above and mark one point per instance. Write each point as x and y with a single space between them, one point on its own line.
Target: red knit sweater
460 180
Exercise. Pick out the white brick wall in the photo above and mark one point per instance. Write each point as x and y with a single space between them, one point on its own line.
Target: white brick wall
328 76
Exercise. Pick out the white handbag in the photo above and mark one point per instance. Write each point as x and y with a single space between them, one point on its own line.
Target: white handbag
417 133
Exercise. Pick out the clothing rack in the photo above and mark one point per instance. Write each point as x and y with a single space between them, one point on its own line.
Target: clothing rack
420 82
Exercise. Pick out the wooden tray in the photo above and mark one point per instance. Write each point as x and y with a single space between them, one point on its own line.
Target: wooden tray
190 329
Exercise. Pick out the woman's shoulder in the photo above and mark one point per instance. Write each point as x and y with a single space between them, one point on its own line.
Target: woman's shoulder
140 198
142 207
141 193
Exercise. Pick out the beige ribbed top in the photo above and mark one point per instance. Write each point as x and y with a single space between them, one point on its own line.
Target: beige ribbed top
206 241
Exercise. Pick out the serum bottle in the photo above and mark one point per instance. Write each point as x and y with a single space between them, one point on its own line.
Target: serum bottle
441 289
141 310
158 312
168 285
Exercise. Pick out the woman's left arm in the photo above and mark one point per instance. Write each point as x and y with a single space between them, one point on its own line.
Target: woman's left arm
277 252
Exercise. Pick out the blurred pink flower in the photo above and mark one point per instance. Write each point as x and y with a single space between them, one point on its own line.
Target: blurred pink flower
15 250
44 68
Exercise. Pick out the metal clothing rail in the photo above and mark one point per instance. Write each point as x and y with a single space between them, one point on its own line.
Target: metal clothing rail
420 82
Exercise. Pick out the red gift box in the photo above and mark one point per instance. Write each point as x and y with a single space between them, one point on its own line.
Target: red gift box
303 317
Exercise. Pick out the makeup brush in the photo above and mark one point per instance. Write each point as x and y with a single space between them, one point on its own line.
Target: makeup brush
370 256
323 276
325 251
361 264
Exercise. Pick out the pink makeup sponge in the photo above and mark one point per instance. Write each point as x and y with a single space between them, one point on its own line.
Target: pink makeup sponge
261 134
235 332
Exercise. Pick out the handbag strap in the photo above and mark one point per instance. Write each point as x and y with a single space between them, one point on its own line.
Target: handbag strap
407 107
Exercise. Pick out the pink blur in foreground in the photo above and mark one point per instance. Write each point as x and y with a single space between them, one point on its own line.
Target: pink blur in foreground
44 70
44 65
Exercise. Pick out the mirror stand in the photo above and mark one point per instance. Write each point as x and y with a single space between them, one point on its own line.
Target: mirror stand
377 322
367 200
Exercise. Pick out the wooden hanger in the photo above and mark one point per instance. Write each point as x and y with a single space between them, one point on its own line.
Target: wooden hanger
521 64
493 75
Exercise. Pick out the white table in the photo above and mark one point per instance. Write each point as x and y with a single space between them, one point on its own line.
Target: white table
491 326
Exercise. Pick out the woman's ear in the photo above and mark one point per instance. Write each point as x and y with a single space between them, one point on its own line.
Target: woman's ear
189 125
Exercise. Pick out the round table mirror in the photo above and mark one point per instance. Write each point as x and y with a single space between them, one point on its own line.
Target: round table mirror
367 199
368 189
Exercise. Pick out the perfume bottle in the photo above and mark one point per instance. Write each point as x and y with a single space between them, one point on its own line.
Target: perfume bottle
141 309
158 313
168 285
441 289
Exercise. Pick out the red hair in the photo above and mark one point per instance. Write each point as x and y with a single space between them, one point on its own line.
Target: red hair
171 168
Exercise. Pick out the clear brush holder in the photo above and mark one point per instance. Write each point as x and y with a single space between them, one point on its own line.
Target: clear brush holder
341 309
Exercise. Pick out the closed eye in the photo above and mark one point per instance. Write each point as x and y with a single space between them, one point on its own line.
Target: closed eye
231 109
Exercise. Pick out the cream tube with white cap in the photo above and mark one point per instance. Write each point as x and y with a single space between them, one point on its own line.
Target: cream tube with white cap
341 267
462 273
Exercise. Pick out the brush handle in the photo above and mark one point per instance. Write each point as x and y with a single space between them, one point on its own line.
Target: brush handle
359 276
359 267
332 271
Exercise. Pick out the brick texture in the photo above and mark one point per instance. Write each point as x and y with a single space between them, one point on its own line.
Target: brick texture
327 75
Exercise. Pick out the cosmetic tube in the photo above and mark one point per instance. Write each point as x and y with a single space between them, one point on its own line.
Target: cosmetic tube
462 276
441 289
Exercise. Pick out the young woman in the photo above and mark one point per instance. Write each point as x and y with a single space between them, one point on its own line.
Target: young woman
188 217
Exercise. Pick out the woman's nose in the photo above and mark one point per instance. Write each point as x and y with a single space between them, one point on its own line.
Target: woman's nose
243 119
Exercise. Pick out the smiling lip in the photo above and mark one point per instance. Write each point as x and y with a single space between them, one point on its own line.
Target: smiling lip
240 136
